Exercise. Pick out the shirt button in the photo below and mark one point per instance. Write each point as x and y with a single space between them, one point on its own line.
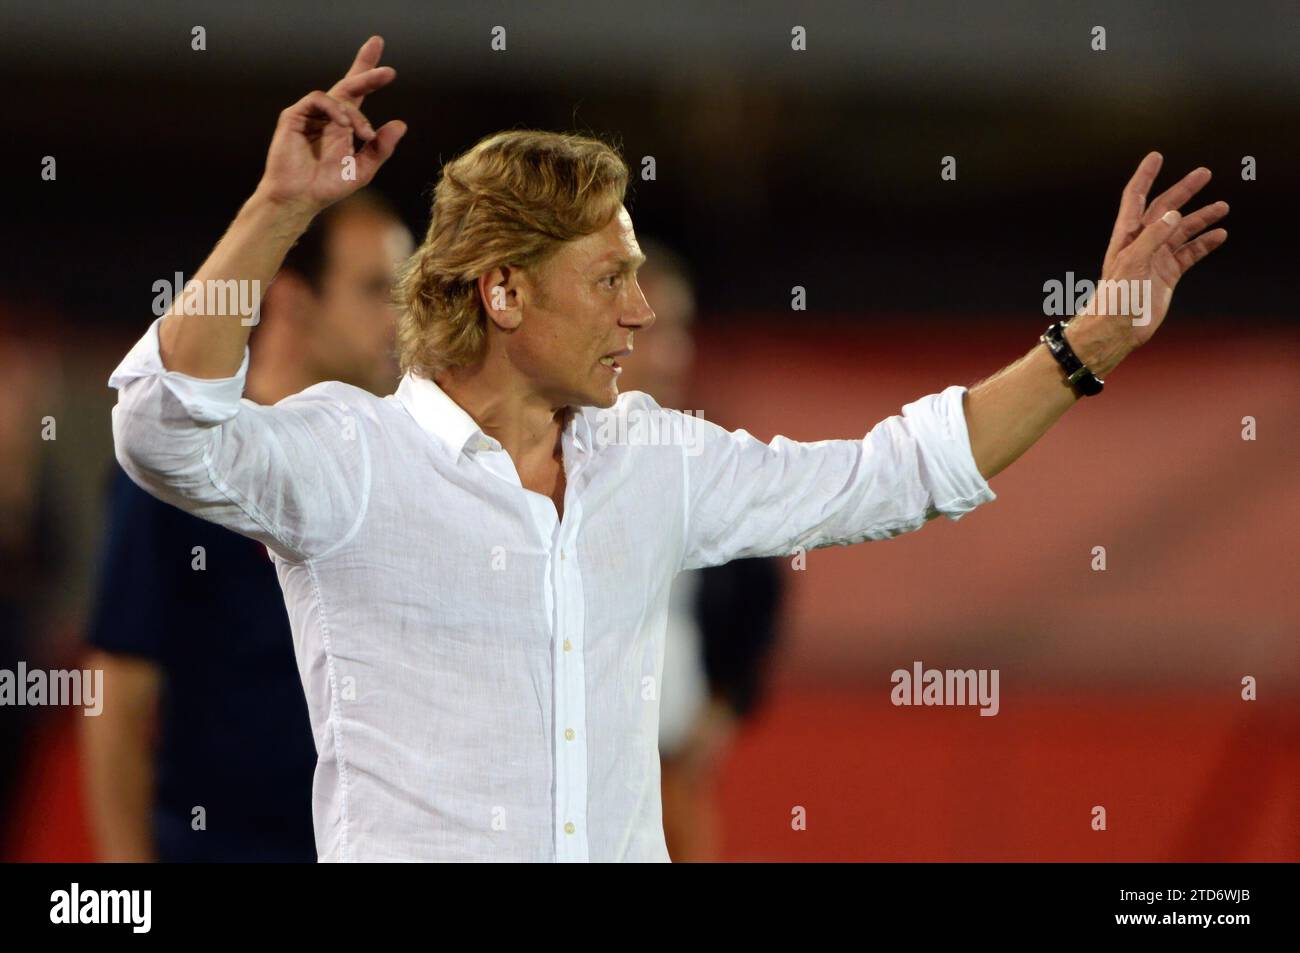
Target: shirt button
569 828
568 646
561 554
568 734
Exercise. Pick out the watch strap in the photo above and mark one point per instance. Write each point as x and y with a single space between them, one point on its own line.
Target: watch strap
1077 374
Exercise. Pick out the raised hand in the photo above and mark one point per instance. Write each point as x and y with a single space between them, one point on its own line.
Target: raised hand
1156 243
311 163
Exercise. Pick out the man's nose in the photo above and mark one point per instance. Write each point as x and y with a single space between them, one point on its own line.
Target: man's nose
642 315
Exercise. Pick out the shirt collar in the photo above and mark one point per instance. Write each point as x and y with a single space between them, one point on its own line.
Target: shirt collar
453 427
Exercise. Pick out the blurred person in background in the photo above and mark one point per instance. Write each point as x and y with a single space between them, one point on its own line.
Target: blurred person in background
722 621
195 645
33 537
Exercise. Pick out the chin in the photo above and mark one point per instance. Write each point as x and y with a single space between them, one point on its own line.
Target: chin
603 400
591 392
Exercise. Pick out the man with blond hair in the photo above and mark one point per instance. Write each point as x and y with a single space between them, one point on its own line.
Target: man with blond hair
476 576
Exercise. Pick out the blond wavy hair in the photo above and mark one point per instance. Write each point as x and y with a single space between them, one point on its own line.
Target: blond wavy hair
513 199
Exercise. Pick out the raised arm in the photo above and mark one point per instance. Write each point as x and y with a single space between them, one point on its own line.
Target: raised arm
296 475
311 150
1008 412
747 498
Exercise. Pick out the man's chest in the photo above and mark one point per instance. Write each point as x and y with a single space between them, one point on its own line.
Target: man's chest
549 481
479 550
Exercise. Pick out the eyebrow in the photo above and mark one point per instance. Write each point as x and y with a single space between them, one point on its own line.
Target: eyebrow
624 264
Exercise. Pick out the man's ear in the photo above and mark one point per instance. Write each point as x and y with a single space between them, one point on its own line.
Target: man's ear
502 292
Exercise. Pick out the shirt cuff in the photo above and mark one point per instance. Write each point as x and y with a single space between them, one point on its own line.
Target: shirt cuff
207 401
939 423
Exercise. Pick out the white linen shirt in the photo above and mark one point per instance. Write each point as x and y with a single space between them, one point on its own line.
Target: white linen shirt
482 677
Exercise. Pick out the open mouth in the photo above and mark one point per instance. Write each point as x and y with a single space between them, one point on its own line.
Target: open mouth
610 361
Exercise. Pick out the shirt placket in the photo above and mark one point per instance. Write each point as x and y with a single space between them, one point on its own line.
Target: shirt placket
566 615
568 647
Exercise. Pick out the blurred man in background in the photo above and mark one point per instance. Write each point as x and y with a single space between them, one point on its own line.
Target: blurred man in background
33 537
722 621
190 626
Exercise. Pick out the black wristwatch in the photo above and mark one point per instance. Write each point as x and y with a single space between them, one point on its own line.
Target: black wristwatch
1077 375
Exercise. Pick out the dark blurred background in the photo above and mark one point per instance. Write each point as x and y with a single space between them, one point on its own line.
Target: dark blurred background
777 168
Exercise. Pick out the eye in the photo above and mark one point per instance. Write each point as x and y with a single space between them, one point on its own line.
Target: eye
612 280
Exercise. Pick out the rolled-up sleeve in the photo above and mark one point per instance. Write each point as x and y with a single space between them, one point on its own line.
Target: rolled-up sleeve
747 498
294 476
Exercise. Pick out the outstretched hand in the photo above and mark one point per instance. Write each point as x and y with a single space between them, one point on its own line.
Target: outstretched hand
311 163
1156 243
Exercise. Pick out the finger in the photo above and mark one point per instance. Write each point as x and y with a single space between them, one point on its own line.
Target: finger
318 105
1133 202
353 89
1153 236
1176 196
1192 225
1197 249
360 124
367 59
367 56
378 150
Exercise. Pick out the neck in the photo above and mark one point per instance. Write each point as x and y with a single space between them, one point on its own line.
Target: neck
526 424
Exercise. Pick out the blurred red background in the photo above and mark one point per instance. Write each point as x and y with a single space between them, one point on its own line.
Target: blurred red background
1119 688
